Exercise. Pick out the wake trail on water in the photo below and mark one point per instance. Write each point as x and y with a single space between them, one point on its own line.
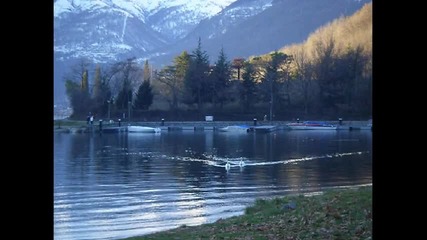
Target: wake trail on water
217 161
221 161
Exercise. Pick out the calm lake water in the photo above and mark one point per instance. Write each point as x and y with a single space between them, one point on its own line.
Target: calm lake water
114 186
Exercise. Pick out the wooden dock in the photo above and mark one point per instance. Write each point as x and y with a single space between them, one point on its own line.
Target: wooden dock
260 127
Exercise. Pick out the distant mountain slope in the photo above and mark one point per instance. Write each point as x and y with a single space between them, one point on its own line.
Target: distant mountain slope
103 29
284 22
104 36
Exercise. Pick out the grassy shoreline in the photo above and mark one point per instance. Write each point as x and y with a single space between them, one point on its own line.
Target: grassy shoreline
335 214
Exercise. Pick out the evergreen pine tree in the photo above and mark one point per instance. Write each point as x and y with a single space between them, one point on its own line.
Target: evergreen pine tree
220 78
147 71
248 87
196 77
144 96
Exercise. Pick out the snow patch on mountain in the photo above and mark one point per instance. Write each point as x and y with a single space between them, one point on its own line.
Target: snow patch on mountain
75 6
207 8
141 7
231 16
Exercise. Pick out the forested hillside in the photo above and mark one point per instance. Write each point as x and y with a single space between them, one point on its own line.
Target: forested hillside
334 67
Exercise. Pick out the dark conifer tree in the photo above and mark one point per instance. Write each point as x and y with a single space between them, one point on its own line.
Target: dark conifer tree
144 96
219 79
248 87
196 77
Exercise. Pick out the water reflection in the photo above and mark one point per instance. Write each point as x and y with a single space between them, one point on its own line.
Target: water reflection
118 185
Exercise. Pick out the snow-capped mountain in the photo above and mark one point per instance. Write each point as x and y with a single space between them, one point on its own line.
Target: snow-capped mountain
140 8
106 31
171 18
177 18
109 29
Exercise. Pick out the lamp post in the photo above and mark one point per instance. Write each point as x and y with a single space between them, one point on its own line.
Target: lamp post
129 106
109 102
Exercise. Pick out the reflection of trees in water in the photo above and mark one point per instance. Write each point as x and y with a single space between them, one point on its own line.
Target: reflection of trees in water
345 169
79 146
132 158
79 156
190 172
189 169
135 163
110 154
233 145
290 145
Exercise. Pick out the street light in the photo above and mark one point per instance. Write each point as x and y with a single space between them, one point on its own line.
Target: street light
129 106
271 107
109 101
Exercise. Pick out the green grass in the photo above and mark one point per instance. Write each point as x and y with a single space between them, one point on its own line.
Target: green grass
337 214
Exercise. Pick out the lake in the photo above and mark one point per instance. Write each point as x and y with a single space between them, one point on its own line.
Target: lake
113 186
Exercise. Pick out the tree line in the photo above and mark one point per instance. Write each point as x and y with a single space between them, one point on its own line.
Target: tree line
276 84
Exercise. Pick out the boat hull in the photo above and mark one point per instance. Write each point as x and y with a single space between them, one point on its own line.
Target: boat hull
142 129
234 129
311 126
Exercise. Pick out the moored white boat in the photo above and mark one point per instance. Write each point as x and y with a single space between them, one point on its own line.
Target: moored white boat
235 128
143 129
311 125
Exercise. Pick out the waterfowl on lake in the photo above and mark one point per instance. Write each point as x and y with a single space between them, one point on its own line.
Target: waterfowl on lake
227 166
241 163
